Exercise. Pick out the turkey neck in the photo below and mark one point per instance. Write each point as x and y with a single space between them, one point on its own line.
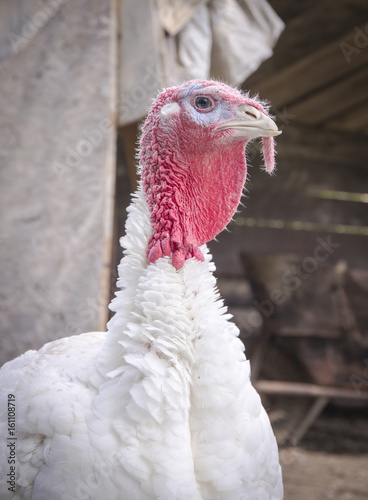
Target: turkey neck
171 340
192 193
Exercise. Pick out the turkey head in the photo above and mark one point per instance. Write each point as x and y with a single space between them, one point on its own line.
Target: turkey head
193 164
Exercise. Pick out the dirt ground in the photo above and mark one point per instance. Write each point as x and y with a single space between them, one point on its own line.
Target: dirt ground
313 475
331 461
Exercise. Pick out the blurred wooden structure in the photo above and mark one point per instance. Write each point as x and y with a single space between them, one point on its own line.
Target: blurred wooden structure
311 321
316 82
304 232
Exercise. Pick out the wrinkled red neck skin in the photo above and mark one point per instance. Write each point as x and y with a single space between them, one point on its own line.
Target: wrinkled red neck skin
192 192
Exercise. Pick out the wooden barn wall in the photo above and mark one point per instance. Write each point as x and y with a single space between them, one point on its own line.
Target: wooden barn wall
320 190
316 82
57 147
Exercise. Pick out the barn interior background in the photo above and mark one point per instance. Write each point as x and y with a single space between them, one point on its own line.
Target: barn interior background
77 77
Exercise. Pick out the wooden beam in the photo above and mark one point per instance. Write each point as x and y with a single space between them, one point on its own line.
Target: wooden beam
332 101
308 161
288 10
311 390
330 146
307 33
129 138
316 70
354 121
308 420
323 333
307 212
227 250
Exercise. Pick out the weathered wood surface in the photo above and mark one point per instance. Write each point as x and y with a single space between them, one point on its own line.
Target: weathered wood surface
310 390
288 10
318 71
316 25
129 139
58 171
296 293
321 68
335 100
355 120
287 212
314 311
321 147
226 251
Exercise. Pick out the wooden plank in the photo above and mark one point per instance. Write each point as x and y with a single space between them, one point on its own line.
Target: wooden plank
316 70
295 294
315 332
309 163
111 58
355 120
321 214
340 425
313 178
229 245
122 201
310 390
332 101
316 409
129 139
288 10
330 147
337 362
320 178
308 32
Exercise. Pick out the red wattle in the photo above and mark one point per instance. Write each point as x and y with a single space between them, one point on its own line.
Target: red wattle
190 210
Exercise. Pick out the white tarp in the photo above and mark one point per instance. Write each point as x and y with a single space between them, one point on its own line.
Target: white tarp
57 157
164 42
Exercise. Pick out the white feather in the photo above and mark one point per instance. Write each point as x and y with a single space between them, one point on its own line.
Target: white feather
159 408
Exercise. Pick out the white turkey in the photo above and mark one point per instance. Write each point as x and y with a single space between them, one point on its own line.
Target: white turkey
161 406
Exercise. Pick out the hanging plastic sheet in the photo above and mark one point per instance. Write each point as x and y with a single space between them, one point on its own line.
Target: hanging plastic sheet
165 42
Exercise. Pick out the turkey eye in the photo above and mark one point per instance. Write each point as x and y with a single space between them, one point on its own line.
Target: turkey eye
203 103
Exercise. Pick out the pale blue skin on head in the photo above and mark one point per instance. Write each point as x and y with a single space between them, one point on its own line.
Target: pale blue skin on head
221 112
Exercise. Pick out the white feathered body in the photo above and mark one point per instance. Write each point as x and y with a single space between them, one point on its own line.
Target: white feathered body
161 407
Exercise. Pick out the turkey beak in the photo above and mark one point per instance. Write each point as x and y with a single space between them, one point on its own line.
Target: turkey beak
251 123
